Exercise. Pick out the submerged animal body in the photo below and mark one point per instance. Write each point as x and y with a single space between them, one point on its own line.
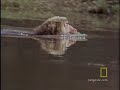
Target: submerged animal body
55 27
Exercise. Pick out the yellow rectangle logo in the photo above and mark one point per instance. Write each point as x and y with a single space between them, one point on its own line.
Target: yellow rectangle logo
103 72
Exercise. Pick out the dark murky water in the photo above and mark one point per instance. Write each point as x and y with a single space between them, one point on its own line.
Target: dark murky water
53 64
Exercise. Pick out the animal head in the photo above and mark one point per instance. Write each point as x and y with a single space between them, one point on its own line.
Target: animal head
55 26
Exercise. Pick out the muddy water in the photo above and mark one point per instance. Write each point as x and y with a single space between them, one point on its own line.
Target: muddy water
53 64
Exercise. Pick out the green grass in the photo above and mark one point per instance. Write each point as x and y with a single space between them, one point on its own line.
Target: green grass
22 14
24 9
40 9
36 9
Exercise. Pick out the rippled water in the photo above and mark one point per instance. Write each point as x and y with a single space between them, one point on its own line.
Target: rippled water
55 64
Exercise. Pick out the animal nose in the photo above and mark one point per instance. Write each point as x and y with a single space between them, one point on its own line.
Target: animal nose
73 29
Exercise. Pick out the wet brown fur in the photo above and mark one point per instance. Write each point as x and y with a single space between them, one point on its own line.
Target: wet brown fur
52 26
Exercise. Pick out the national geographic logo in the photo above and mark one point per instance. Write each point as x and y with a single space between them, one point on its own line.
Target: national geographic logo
103 75
103 72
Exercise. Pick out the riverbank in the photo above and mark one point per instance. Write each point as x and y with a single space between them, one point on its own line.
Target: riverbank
86 23
82 14
51 7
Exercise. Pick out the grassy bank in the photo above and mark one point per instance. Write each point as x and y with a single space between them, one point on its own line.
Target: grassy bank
77 11
48 8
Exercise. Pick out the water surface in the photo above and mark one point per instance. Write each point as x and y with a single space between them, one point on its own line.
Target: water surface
53 64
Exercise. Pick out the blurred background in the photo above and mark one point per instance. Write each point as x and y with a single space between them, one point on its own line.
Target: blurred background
81 13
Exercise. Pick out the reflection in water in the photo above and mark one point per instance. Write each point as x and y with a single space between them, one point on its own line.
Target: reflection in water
55 46
58 46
